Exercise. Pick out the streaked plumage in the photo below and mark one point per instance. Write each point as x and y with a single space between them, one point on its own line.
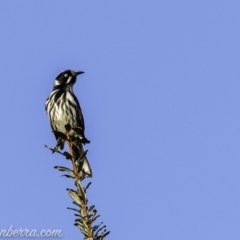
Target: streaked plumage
64 109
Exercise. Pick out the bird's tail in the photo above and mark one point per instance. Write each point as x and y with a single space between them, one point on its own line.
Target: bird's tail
78 151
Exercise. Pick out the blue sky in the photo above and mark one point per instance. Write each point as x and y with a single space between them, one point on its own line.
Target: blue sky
160 97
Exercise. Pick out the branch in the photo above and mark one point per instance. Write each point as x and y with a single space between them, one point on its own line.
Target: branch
86 216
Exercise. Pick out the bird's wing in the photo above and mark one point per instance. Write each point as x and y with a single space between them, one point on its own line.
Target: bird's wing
80 119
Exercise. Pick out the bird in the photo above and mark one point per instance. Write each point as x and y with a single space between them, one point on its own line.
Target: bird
65 114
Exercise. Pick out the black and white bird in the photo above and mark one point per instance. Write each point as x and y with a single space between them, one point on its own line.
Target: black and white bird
64 110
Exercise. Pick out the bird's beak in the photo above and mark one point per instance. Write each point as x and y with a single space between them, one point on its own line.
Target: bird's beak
78 73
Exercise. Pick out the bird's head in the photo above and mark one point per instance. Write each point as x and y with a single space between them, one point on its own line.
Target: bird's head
66 78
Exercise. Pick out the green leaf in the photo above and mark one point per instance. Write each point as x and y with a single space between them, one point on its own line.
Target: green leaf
91 208
62 169
88 185
79 220
74 196
105 234
67 155
83 155
80 165
66 175
84 232
74 209
97 226
80 160
85 225
94 212
79 225
82 193
93 219
79 205
100 230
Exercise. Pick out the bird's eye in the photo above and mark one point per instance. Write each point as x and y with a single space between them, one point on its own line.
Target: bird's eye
65 75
